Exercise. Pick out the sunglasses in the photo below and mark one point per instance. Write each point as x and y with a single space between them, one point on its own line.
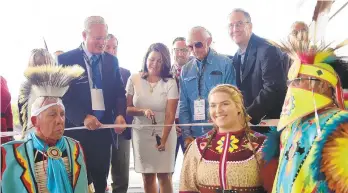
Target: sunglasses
196 45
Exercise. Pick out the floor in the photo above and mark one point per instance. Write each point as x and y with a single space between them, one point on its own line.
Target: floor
135 179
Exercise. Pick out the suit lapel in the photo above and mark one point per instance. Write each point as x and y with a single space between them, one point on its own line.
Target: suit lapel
249 62
105 74
104 71
236 65
84 84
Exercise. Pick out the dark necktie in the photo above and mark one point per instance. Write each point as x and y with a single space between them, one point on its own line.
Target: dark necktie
96 77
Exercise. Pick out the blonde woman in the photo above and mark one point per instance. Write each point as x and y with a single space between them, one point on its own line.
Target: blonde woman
228 158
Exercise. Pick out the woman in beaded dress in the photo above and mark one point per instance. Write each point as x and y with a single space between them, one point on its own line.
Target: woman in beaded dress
229 158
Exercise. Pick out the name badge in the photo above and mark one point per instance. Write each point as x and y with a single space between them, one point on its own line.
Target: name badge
199 110
97 99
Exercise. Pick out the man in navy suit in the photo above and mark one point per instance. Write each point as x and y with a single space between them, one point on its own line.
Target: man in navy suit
259 70
120 153
98 98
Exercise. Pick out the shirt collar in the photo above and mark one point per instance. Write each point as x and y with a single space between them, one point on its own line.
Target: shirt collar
89 54
239 52
208 58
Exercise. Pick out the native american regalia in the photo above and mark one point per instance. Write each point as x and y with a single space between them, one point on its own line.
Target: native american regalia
230 163
26 97
312 136
33 166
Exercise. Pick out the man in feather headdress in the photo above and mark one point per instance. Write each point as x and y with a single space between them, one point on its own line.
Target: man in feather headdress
45 161
312 133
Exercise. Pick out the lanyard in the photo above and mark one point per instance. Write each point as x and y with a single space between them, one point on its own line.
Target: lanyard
88 61
200 76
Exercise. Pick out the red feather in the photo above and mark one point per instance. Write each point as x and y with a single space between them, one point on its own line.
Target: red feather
306 57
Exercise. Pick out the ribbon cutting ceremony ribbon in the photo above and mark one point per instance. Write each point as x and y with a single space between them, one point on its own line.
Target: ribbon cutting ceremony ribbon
263 123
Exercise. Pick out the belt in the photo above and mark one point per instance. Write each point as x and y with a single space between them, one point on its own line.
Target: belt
232 190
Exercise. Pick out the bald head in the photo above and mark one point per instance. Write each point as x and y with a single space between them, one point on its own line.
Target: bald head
299 31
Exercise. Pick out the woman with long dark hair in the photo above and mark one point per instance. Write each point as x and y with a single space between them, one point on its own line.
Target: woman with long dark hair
152 97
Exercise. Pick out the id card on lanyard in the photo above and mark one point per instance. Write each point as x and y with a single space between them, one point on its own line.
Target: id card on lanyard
97 96
199 104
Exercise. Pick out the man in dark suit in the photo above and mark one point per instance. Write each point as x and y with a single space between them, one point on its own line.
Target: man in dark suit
259 70
120 153
99 98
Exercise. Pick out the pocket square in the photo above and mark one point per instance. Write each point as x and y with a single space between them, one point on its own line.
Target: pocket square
216 73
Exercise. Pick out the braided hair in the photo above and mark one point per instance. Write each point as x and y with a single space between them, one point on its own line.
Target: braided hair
237 98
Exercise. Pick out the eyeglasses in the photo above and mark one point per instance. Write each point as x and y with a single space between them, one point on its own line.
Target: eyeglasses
238 25
183 50
196 45
99 38
299 81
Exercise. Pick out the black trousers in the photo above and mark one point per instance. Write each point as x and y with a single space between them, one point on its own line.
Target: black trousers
97 152
120 166
98 164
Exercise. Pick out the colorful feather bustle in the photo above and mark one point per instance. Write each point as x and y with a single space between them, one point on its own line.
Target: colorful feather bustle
335 159
329 163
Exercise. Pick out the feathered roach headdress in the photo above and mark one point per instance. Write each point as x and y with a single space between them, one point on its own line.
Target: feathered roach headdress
37 57
48 81
314 57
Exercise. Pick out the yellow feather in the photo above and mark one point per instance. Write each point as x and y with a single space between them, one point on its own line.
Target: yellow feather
321 56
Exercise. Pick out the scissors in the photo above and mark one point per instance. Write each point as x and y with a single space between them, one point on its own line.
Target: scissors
153 123
158 138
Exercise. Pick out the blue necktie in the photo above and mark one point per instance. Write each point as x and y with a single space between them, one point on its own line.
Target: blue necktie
97 81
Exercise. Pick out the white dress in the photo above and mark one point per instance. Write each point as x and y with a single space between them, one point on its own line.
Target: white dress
147 159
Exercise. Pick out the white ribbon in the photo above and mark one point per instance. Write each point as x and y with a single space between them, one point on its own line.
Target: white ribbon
263 123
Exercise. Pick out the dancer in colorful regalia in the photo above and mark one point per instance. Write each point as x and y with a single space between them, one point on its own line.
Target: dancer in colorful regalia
311 139
45 161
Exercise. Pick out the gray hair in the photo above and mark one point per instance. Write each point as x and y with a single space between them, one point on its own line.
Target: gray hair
201 29
245 13
91 20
